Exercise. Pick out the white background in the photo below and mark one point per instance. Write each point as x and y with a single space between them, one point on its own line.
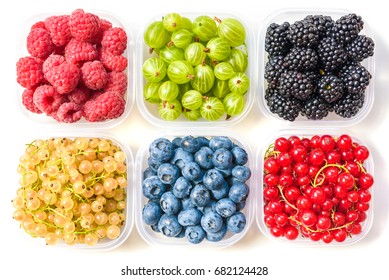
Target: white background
26 258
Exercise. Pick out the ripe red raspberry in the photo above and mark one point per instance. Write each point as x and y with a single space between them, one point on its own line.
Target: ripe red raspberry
52 61
29 72
115 40
64 77
108 105
116 82
39 43
76 51
79 96
93 75
69 112
28 102
38 24
58 27
84 26
113 62
47 99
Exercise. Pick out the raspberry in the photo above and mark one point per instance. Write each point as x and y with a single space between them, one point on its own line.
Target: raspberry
64 78
113 62
115 40
84 26
79 96
108 105
116 82
28 102
52 61
76 51
47 99
38 24
39 43
29 71
93 75
58 27
104 26
69 112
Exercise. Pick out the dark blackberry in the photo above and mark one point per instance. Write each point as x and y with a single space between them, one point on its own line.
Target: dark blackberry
301 59
361 48
324 24
303 34
286 108
276 42
296 84
331 54
347 28
273 70
349 105
315 108
330 88
355 77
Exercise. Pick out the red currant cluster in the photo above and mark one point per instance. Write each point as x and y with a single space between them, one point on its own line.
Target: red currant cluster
316 187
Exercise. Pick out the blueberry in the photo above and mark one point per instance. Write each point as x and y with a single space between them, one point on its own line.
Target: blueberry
181 157
238 192
189 217
236 223
204 141
187 203
240 155
226 172
170 204
213 179
240 205
222 159
203 157
241 173
148 172
209 207
181 234
225 207
161 149
168 173
200 195
211 222
151 213
169 225
153 164
153 188
194 234
182 187
155 228
190 144
217 236
222 192
218 142
176 142
191 171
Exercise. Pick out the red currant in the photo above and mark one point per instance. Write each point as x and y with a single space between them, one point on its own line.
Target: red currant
364 196
271 166
339 219
327 143
327 237
317 157
277 231
303 203
282 144
331 174
344 143
333 157
271 180
270 193
281 219
315 142
365 181
323 222
284 159
308 218
351 216
318 195
340 235
299 153
346 181
301 169
291 194
361 153
291 233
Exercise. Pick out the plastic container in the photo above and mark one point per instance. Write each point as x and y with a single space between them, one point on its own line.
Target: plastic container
158 239
368 165
82 123
332 120
105 243
150 111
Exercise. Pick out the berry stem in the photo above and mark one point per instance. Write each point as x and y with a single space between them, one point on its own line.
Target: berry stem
314 184
284 198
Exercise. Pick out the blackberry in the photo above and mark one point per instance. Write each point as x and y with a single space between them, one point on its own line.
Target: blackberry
361 48
303 34
349 105
276 42
287 108
347 28
301 59
296 84
330 88
315 108
355 77
273 70
324 24
331 54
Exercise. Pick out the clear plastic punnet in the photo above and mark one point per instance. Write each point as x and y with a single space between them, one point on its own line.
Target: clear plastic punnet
150 110
153 237
332 120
